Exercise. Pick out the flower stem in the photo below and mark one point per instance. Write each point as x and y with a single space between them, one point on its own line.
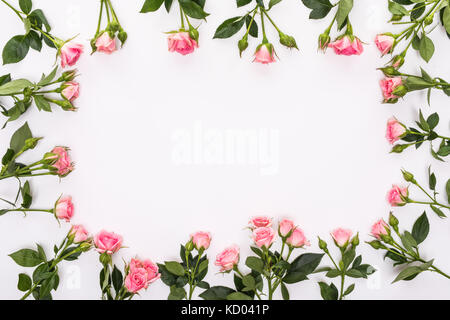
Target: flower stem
14 9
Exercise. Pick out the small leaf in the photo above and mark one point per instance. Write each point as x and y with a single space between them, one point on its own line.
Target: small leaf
24 283
26 258
175 268
426 48
238 296
151 5
284 291
407 273
421 228
349 289
328 292
255 263
15 49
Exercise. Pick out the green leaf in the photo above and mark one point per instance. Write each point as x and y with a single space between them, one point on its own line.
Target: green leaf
408 241
117 279
433 120
25 6
421 228
397 9
27 198
24 283
344 8
253 28
249 282
348 257
333 273
192 9
446 19
26 258
349 289
271 4
426 48
417 11
241 3
19 137
320 8
38 18
407 273
284 292
229 27
255 263
328 292
175 268
238 296
447 189
176 293
151 5
42 103
168 4
306 263
45 80
15 86
416 83
34 40
438 211
15 49
216 293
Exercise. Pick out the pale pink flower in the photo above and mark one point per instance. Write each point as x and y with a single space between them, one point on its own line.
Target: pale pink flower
201 240
105 43
263 237
260 221
228 258
341 236
346 46
265 53
79 233
384 43
285 227
388 85
297 239
71 90
108 242
63 164
394 130
150 267
396 196
380 227
182 43
70 52
64 208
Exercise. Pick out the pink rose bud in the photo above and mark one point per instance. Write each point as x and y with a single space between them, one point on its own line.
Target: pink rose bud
395 130
70 52
182 43
64 208
63 164
71 90
260 221
265 53
201 240
79 233
285 227
263 237
108 242
141 274
380 227
228 258
397 195
384 43
297 239
105 43
347 46
341 237
388 85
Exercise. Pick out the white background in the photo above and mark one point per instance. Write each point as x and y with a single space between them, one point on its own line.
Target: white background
334 168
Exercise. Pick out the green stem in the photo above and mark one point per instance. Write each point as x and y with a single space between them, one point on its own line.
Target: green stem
181 17
100 17
263 26
271 21
114 13
14 9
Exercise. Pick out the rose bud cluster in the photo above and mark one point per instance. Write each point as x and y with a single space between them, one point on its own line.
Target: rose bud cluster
104 40
265 51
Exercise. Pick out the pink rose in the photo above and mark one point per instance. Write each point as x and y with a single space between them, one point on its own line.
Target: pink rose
396 196
346 46
384 43
150 267
201 240
105 43
260 221
108 242
297 239
263 237
71 90
265 53
388 85
341 236
79 233
136 280
228 258
63 164
182 43
70 52
395 130
64 208
380 227
285 227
